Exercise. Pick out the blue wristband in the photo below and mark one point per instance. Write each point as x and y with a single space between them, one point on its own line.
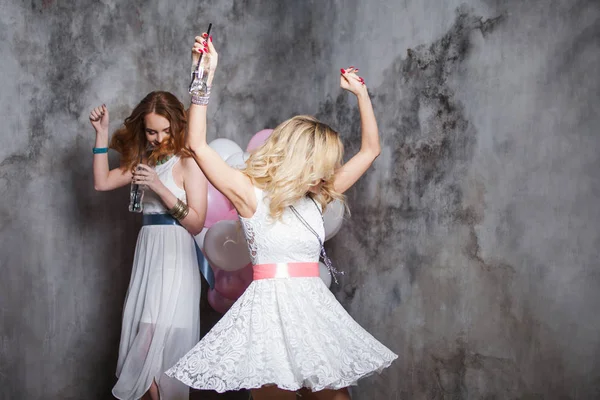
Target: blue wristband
100 150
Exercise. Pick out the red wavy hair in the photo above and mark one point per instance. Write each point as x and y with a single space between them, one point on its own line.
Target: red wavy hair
130 140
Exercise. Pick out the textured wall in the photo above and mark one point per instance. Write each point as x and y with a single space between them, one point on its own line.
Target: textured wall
473 246
66 251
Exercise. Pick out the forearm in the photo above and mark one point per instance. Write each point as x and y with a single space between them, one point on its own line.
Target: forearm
193 221
368 124
100 164
196 139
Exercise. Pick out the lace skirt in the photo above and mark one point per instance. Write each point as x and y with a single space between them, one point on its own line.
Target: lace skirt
289 332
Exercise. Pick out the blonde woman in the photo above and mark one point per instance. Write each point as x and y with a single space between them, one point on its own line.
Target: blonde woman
287 331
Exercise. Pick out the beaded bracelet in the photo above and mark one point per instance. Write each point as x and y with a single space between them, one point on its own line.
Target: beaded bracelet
201 99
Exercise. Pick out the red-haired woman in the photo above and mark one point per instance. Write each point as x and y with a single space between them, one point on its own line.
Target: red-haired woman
161 314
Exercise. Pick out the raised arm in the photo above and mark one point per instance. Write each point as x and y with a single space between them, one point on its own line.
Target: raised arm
370 148
236 186
104 178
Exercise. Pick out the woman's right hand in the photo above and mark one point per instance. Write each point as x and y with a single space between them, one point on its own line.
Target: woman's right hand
203 45
99 119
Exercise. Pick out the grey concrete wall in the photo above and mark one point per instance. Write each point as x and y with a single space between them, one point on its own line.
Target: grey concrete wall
472 250
474 243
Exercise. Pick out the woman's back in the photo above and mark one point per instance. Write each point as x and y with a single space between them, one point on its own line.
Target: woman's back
286 239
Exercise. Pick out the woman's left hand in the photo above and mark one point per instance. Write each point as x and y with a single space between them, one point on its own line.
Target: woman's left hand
144 175
350 81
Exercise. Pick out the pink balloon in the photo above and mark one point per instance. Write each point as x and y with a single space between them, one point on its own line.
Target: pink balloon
259 139
232 215
218 206
219 303
247 274
232 284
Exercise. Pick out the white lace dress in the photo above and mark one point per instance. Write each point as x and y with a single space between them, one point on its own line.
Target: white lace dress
289 332
161 317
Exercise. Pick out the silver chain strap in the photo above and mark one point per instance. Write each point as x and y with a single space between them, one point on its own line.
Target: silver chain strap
324 256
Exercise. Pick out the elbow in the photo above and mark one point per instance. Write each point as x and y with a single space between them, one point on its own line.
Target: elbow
374 152
194 148
194 232
196 227
101 187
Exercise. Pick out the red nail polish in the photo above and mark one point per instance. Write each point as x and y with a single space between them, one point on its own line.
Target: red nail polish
210 38
343 70
204 35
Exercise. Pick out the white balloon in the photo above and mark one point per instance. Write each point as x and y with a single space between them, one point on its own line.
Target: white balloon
225 246
199 238
333 218
324 274
225 147
238 160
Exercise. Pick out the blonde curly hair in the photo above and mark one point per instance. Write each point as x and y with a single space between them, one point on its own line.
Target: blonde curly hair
300 154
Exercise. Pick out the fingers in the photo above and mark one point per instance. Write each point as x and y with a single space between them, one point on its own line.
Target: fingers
350 74
98 112
203 44
197 48
143 168
140 180
143 174
200 45
211 48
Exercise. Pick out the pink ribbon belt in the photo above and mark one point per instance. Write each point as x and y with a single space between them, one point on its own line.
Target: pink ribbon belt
286 270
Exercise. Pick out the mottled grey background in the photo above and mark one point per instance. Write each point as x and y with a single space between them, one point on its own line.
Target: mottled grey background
473 246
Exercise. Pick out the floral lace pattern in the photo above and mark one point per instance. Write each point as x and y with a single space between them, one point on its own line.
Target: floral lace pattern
290 332
286 240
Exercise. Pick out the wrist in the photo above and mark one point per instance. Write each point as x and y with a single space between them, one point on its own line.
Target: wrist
201 99
102 134
363 94
160 189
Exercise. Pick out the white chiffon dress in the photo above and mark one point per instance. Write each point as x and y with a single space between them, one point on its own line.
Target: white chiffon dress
161 317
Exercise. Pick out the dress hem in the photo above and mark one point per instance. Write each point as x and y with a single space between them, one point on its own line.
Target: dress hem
334 385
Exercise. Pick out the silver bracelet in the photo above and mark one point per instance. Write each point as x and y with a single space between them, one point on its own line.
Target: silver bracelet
200 100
